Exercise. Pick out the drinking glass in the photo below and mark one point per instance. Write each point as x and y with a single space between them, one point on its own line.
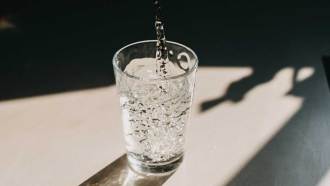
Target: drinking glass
155 109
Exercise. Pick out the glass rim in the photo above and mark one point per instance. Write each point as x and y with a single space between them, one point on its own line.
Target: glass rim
157 79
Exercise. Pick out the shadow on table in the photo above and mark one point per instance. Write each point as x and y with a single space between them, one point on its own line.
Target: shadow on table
298 155
118 173
261 74
237 90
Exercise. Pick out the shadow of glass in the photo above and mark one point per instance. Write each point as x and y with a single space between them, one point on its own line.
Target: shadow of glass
119 173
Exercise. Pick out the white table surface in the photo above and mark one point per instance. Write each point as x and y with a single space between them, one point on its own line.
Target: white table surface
63 139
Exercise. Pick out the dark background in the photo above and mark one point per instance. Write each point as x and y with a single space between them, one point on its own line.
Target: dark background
66 45
59 46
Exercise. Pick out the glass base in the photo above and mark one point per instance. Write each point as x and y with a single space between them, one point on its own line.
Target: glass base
154 168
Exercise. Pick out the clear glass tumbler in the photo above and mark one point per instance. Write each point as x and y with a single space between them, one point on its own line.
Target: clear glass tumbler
155 109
